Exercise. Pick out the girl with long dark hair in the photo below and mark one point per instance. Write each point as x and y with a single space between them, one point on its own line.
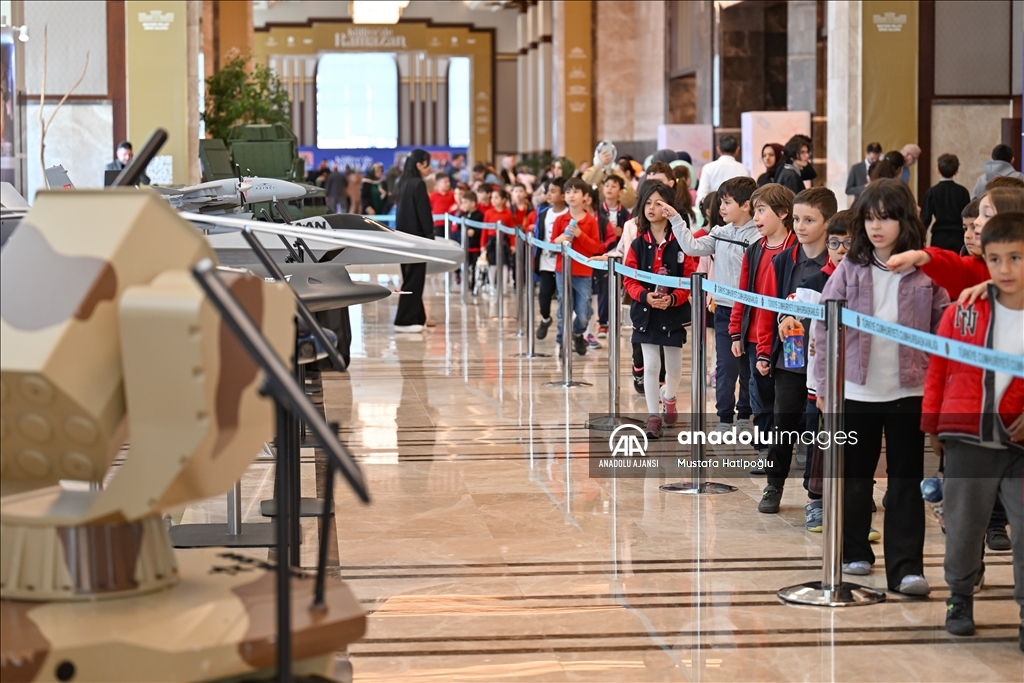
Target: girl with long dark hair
413 218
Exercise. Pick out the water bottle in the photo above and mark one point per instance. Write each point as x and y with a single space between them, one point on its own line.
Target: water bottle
931 491
572 224
793 348
662 289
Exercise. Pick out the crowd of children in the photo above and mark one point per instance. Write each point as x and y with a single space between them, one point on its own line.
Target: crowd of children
885 258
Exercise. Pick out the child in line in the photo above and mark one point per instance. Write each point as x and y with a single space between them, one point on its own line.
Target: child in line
838 236
579 228
497 213
884 383
615 216
944 202
659 313
523 217
727 244
812 209
544 260
975 418
773 217
468 210
442 200
972 245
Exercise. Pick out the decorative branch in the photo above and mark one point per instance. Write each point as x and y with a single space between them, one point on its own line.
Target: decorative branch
45 125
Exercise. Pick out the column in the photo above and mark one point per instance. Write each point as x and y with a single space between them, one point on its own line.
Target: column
844 21
442 102
801 55
574 61
159 89
522 88
532 80
544 109
404 98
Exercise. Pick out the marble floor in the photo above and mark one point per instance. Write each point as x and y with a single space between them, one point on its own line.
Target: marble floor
488 552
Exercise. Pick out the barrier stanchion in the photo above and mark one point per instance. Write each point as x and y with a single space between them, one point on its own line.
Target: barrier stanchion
698 396
466 265
520 285
447 274
528 292
608 423
499 278
566 307
832 591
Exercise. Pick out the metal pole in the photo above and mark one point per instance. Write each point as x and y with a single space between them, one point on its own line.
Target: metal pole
447 275
283 574
235 509
608 423
698 395
499 261
520 241
528 304
566 307
466 265
832 591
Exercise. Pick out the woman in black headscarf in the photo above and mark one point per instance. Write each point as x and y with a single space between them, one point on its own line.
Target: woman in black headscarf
413 217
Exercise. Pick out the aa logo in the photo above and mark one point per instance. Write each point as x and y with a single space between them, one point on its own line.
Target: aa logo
966 321
628 441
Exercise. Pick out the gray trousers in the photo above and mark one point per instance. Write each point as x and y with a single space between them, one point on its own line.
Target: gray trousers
974 477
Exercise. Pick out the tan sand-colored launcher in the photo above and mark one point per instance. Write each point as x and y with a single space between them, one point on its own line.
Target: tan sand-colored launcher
105 332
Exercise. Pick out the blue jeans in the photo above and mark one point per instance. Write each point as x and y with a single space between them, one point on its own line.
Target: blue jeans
729 368
582 290
762 392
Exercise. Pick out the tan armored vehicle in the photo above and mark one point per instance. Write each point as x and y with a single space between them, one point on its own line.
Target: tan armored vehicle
105 331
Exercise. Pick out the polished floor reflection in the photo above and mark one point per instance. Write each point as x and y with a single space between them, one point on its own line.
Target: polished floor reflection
489 554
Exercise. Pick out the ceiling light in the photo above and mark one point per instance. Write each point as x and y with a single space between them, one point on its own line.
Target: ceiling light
377 12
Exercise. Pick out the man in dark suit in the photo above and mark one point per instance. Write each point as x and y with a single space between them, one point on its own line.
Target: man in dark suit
124 156
858 177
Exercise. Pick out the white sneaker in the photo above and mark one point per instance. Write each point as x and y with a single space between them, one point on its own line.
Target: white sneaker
724 427
744 425
408 329
914 584
858 568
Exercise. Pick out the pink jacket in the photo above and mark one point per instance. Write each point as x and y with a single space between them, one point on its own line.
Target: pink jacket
920 306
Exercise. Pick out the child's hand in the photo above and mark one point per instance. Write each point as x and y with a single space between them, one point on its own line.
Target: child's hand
572 230
819 401
599 257
898 263
1017 429
659 301
810 347
737 349
471 232
762 367
972 294
790 325
937 445
666 210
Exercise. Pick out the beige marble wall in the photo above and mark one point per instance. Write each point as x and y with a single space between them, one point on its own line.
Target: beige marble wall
72 30
970 131
78 139
630 89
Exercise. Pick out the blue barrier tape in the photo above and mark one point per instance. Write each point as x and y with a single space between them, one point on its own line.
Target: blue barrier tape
940 346
788 306
478 224
505 229
589 262
654 279
541 244
382 218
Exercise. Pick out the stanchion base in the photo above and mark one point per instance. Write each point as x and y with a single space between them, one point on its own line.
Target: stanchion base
609 423
693 488
531 355
217 536
567 385
847 595
308 507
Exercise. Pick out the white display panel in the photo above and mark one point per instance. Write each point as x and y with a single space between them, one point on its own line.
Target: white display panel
696 138
761 127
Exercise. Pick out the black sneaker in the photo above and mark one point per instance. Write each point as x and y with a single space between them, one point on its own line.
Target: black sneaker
579 343
996 539
542 329
638 380
960 614
771 500
1020 636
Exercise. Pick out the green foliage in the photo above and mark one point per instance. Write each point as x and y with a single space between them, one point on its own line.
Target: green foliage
233 96
537 162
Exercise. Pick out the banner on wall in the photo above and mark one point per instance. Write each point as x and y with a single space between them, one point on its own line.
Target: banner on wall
7 108
695 138
362 158
761 127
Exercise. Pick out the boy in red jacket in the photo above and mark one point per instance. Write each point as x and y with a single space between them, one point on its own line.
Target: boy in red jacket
976 420
579 228
442 200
